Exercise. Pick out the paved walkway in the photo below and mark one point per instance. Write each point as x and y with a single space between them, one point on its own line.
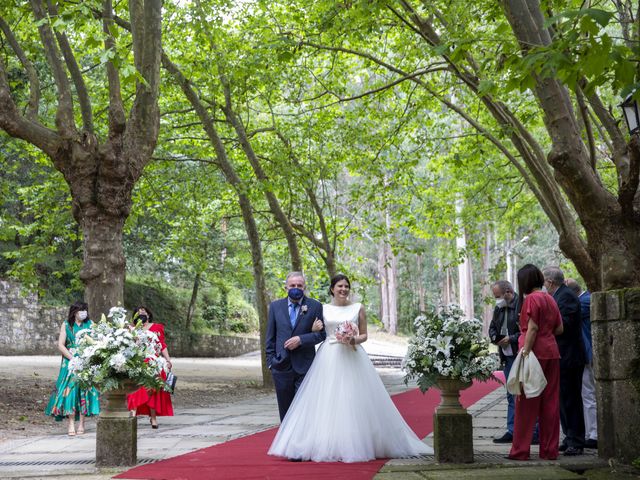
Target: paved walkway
54 456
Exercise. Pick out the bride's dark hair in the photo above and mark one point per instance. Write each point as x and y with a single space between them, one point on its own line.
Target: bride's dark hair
336 279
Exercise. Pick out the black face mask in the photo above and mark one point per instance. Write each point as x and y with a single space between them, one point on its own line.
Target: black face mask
143 318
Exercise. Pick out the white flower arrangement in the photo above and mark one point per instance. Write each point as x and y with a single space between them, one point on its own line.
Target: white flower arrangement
111 353
448 345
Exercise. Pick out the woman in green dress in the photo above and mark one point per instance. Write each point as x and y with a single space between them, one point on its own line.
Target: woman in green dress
68 399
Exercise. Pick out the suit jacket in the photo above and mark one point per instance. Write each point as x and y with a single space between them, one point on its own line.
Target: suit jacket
279 330
570 344
513 327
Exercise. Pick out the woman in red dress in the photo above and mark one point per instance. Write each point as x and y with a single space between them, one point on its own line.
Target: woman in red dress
540 322
146 401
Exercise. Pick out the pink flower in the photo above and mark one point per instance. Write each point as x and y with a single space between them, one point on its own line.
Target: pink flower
345 332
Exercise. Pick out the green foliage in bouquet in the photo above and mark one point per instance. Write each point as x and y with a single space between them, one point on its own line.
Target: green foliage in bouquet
112 354
448 345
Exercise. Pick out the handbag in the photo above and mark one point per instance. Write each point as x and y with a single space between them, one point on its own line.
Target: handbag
526 376
170 381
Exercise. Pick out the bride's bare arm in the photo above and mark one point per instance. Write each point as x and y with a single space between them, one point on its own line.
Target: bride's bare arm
362 328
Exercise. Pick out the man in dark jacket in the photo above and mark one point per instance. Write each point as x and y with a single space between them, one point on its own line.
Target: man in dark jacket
504 332
588 380
572 361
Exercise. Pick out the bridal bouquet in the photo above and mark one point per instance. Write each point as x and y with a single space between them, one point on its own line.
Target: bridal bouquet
345 331
112 353
448 345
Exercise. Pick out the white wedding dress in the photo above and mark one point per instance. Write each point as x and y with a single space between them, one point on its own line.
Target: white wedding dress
342 411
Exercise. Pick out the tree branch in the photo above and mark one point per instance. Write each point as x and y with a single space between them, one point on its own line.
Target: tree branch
629 187
64 114
32 75
76 74
117 117
584 114
17 126
144 120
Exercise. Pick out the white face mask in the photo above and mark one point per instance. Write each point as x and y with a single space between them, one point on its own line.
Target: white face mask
501 302
82 315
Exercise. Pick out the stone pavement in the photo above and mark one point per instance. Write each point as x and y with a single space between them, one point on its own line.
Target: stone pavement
59 456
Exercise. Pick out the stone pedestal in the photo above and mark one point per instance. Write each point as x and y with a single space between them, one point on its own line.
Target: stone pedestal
615 326
117 432
452 425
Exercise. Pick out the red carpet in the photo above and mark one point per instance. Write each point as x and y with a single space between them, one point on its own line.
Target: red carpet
246 458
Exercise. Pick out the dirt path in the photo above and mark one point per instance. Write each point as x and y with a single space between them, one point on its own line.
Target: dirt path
27 382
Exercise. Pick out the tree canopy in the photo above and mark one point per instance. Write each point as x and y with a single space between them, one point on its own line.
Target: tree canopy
224 143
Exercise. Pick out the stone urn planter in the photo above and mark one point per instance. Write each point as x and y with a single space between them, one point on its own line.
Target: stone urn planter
117 431
450 395
453 428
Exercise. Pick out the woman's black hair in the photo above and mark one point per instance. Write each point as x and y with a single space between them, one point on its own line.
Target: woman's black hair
336 279
529 277
75 308
137 309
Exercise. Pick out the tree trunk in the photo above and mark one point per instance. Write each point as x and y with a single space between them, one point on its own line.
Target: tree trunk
487 311
465 274
192 303
263 179
226 167
101 177
262 298
422 307
384 287
103 269
612 225
392 277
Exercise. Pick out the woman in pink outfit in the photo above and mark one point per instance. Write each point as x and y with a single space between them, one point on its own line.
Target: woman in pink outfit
540 322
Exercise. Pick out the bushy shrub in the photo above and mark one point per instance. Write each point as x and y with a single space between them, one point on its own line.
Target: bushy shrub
225 309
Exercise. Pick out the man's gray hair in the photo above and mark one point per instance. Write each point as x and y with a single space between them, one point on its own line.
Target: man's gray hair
554 274
295 274
574 285
504 286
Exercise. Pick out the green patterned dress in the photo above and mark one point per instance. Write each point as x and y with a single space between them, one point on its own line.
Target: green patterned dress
67 398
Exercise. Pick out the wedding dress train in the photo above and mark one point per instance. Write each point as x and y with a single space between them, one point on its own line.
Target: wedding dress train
342 411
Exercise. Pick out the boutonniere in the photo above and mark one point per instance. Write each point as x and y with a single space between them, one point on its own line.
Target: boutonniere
303 309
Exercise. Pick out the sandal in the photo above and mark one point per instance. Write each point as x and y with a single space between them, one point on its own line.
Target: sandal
71 431
80 430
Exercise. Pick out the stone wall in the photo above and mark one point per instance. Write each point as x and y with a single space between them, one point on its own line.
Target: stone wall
615 320
211 345
27 328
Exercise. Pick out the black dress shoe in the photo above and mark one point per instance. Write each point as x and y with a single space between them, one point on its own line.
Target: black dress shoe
535 440
591 444
506 438
563 447
294 459
573 451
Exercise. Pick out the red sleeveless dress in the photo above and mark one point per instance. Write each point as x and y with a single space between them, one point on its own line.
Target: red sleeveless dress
144 399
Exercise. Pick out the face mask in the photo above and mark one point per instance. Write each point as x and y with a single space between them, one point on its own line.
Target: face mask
295 294
82 315
143 318
501 302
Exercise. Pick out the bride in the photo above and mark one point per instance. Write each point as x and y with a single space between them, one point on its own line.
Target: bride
342 411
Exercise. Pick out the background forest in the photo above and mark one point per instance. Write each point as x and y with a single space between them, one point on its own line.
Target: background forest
324 136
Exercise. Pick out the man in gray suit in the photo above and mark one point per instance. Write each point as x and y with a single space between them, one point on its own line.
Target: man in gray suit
290 343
